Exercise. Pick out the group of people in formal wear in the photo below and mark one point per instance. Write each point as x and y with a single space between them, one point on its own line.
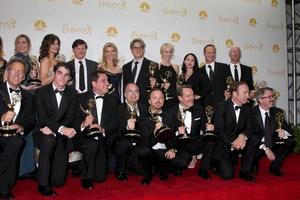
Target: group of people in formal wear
151 118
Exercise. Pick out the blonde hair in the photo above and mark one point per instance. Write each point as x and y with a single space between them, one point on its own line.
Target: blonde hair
26 38
115 59
167 45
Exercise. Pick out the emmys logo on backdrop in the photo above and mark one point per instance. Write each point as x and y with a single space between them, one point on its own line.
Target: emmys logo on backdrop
228 19
276 71
274 26
144 7
87 29
203 14
111 31
10 24
40 25
175 37
77 2
252 22
199 41
112 4
274 3
175 12
148 36
252 46
229 43
258 2
275 48
254 69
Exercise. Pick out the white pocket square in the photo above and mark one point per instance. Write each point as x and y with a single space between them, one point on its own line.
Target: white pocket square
196 119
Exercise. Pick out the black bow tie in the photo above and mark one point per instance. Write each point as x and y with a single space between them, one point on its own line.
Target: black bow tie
99 97
188 109
237 107
61 92
13 90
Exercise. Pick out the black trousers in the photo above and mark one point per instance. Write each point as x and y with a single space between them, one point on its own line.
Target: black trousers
53 159
226 157
196 146
135 157
164 165
10 149
94 162
280 152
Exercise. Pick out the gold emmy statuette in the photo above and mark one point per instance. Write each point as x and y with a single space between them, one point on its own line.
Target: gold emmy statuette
168 74
259 84
164 133
181 117
6 130
133 135
229 81
209 135
34 73
279 117
91 132
152 69
180 79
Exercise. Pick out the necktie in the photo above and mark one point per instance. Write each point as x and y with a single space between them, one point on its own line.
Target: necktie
237 107
81 77
134 69
236 74
268 131
61 92
13 90
211 73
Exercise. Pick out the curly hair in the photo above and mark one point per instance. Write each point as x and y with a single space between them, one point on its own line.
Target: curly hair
47 41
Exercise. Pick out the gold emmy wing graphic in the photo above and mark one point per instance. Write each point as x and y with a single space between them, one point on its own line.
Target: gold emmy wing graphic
252 22
111 31
40 25
203 14
229 43
144 7
254 69
175 37
275 48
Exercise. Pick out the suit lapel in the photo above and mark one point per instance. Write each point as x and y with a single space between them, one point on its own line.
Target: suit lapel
143 71
259 118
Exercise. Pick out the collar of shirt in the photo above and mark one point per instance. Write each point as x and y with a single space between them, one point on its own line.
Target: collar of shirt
181 108
54 88
212 66
82 60
262 113
8 86
97 95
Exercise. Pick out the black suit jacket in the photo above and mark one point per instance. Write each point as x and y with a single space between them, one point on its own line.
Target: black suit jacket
124 115
225 122
108 115
142 80
258 126
47 109
246 75
198 120
90 65
26 115
212 92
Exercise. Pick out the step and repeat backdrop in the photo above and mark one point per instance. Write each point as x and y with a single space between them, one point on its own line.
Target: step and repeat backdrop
256 26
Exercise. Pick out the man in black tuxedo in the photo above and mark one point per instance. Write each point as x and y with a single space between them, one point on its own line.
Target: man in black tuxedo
212 78
238 71
55 108
190 120
132 153
21 117
234 129
166 155
266 119
81 67
137 70
102 116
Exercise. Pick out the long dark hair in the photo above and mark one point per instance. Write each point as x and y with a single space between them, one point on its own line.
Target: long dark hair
47 41
183 68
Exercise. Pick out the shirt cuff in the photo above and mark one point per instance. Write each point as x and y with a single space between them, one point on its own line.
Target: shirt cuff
59 130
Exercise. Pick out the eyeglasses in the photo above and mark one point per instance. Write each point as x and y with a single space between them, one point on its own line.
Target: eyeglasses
137 48
268 97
